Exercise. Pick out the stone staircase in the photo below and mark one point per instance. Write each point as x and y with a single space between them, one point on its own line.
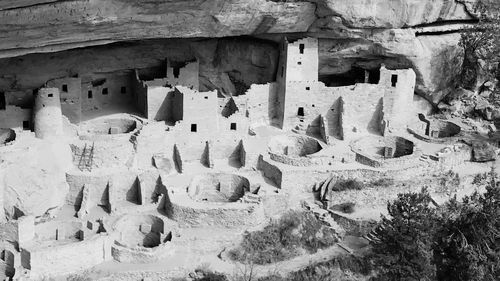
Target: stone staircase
250 198
325 217
373 236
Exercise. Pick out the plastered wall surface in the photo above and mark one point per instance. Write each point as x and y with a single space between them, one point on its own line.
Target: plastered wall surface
68 258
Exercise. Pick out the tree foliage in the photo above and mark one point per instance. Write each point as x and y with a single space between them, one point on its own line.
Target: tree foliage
457 241
481 45
405 248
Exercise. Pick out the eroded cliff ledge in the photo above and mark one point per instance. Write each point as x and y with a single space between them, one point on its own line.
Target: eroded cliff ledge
422 34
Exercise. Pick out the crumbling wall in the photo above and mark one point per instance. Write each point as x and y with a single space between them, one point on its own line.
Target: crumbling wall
398 98
68 258
106 154
124 184
362 109
70 91
104 90
15 117
261 103
183 74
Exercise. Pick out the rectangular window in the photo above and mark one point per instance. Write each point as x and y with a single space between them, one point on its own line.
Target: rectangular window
301 48
177 71
308 88
65 88
105 91
300 111
394 80
206 97
193 128
233 126
299 63
26 125
123 90
3 102
89 94
50 95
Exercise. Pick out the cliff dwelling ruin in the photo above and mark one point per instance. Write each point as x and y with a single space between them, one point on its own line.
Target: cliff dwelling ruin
167 152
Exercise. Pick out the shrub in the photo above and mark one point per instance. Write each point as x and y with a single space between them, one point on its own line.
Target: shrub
382 182
283 239
204 273
346 208
347 184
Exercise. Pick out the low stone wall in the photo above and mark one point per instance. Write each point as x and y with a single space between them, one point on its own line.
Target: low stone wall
352 226
122 253
189 213
67 258
270 171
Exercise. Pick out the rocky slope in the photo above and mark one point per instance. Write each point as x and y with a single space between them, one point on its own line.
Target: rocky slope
417 33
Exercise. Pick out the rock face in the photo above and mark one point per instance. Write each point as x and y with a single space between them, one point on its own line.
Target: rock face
422 34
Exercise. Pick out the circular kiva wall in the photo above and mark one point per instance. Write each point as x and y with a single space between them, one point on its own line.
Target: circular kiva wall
140 231
293 149
217 200
109 126
141 239
7 136
437 131
218 187
378 151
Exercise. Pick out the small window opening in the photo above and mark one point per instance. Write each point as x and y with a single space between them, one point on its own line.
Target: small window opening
89 94
233 126
50 95
65 88
301 48
26 125
193 128
123 90
3 102
206 98
313 105
105 91
299 63
176 72
308 88
394 80
300 111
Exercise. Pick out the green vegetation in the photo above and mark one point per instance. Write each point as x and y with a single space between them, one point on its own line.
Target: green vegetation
347 184
449 182
459 240
284 239
382 182
481 45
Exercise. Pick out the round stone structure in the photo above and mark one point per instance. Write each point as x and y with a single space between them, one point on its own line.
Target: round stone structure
110 127
216 199
385 152
47 113
296 150
141 238
7 136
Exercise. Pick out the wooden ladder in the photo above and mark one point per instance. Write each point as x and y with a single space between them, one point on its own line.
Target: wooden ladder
87 158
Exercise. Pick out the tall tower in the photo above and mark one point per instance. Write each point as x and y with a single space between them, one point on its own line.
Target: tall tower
297 74
47 113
